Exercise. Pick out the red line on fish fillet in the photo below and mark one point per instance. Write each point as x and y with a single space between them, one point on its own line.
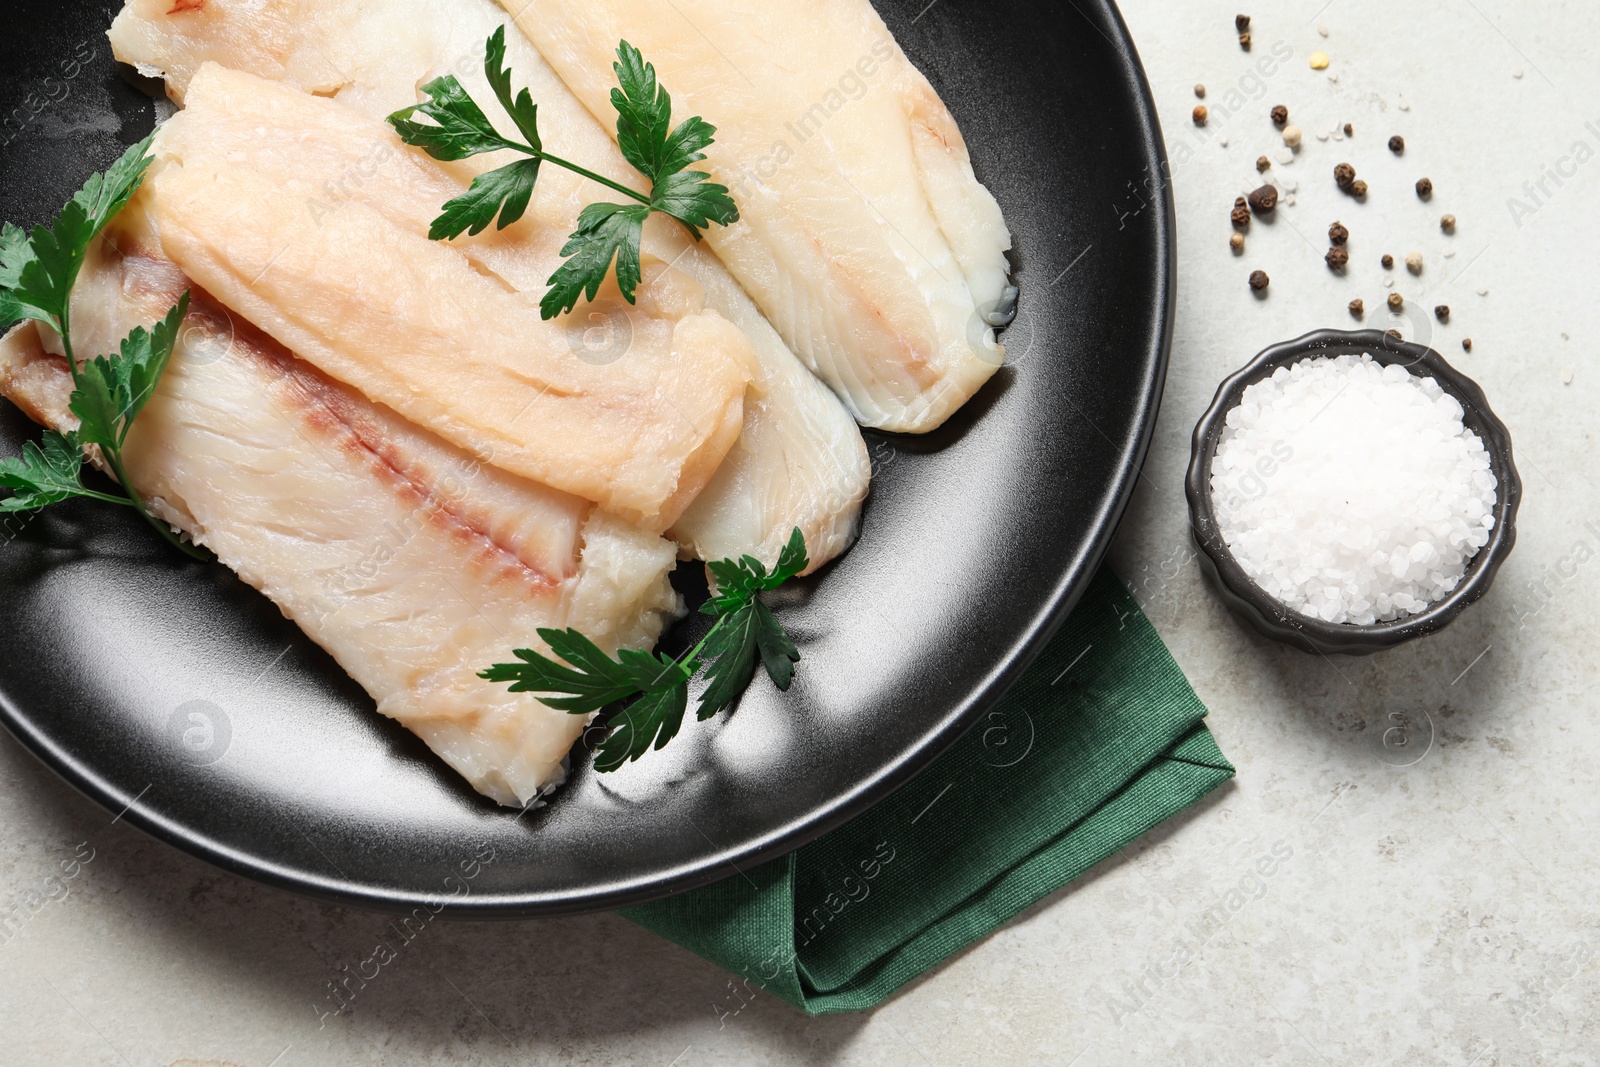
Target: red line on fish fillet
329 407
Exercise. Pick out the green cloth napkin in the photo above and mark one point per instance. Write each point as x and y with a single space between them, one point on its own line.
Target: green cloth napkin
1100 740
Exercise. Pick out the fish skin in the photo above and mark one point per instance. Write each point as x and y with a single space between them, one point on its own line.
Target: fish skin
864 234
800 460
412 561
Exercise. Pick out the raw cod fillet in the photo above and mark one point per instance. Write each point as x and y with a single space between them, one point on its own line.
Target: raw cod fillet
411 324
413 562
864 234
798 460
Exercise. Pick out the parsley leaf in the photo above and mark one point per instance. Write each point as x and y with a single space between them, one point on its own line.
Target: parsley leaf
594 680
459 128
731 646
778 651
662 154
112 391
656 717
37 273
738 581
504 192
521 108
39 269
589 680
45 473
606 233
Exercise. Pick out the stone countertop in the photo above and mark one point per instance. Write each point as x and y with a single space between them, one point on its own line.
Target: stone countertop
1431 813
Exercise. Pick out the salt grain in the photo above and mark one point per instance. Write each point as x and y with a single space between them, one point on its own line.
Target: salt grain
1351 491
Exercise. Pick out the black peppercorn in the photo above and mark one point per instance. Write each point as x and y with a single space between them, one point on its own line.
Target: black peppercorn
1357 308
1241 214
1280 115
1466 344
1424 187
1396 301
1241 22
1259 280
1388 261
1262 163
1345 175
1337 234
1442 313
1397 144
1244 41
1349 130
1337 258
1358 189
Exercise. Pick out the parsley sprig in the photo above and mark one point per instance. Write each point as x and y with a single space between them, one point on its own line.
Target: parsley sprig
37 273
606 232
589 680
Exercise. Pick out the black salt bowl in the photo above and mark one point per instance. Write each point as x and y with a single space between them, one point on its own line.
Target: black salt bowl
1267 614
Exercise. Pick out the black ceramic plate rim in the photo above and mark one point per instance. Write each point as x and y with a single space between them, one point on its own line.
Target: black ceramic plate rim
1146 142
1268 615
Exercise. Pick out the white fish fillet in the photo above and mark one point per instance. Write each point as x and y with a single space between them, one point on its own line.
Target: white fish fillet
413 325
799 460
413 562
865 236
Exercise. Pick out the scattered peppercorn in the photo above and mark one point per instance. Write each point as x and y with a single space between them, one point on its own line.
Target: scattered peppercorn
1200 114
1349 130
1466 344
1200 91
1236 242
1358 189
1388 261
1414 262
1338 234
1357 308
1448 224
1442 312
1396 301
1244 41
1397 335
1337 258
1259 280
1262 163
1241 22
1241 214
1264 200
1424 187
1292 136
1397 144
1345 175
1280 115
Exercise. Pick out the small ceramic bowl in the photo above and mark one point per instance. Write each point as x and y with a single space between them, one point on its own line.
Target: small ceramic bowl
1264 612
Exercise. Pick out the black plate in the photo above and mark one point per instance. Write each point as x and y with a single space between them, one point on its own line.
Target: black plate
976 542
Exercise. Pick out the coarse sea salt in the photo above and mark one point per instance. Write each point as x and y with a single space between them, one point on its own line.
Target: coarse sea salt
1350 491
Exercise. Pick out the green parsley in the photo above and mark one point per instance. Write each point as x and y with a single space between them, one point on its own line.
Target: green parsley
37 273
658 686
606 232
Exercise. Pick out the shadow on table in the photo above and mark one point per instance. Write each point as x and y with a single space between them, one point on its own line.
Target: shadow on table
457 992
1401 706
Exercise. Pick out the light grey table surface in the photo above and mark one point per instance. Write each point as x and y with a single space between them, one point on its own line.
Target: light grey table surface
1437 901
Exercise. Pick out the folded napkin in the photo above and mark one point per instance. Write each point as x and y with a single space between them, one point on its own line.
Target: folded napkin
1098 742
